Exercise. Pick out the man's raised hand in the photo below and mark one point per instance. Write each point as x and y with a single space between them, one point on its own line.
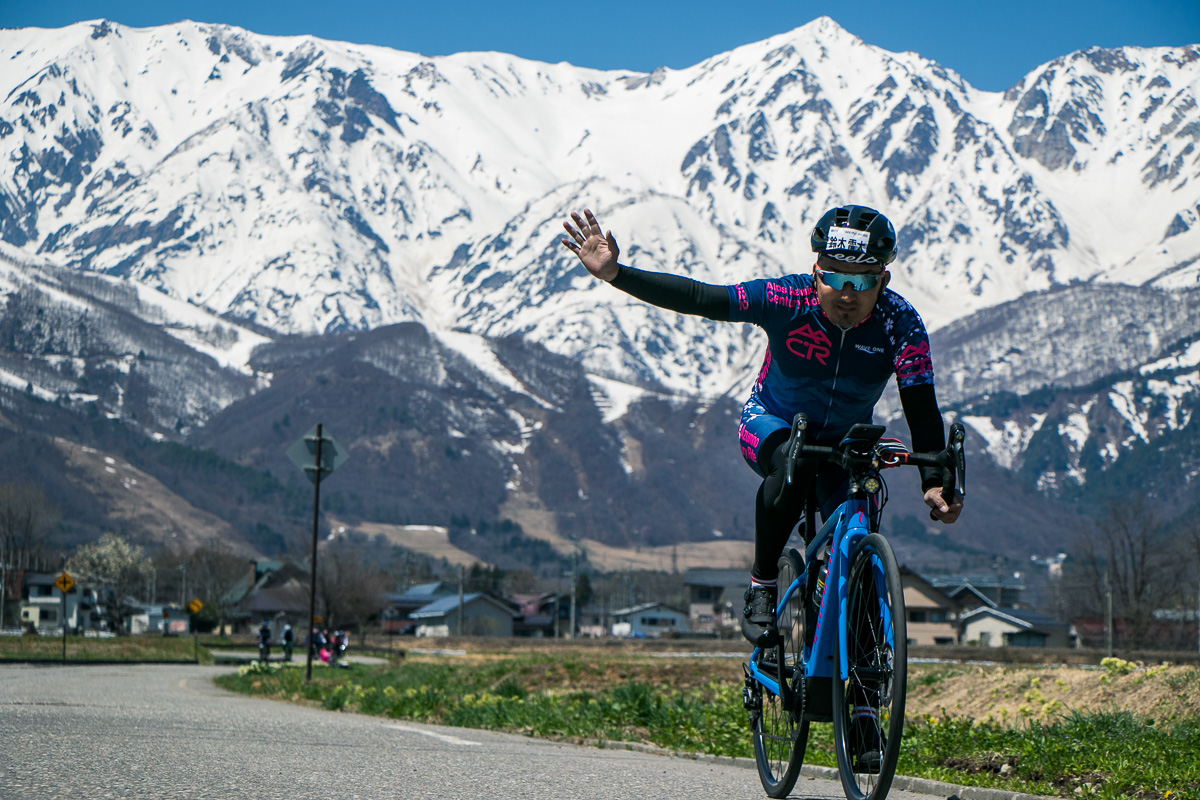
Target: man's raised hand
598 251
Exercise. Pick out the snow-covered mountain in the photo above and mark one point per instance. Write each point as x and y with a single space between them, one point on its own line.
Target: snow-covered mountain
309 185
184 194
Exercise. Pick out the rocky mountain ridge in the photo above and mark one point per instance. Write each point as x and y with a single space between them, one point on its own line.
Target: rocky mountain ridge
195 219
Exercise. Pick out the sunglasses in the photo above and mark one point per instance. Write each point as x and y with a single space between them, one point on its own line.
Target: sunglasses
839 280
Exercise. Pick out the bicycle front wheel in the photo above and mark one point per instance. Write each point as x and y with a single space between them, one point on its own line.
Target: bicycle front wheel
868 706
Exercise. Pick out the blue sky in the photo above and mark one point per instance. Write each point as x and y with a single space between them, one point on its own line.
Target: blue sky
990 43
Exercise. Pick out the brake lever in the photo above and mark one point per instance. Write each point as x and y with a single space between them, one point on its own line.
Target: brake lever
794 444
954 467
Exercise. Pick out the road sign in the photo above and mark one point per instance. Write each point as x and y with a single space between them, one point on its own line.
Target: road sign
303 454
64 582
195 605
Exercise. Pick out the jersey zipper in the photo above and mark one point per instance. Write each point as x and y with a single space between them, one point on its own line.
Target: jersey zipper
837 368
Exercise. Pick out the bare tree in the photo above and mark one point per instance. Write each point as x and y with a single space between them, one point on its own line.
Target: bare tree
217 569
350 585
121 566
1129 553
25 519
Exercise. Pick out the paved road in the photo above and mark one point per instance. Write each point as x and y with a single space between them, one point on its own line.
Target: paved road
167 732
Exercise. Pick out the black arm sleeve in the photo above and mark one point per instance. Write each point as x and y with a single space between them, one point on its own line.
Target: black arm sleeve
675 293
925 424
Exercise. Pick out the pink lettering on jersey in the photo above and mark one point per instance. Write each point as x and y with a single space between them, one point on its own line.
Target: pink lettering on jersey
809 343
749 444
743 299
914 362
762 373
747 437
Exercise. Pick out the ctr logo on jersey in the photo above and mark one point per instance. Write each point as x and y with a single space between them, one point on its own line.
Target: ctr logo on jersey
809 344
914 362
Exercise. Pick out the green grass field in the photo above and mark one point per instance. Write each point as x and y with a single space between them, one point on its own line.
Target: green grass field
120 648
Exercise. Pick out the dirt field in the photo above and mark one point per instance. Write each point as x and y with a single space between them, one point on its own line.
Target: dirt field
1015 694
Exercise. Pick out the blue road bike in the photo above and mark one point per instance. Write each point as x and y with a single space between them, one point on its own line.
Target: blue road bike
839 650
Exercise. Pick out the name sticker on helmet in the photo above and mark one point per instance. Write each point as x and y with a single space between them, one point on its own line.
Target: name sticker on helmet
847 239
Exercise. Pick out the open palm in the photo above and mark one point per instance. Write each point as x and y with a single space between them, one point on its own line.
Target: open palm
596 250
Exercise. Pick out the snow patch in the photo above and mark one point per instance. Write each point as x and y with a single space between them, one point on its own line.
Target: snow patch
1124 403
1076 427
613 397
1006 443
1190 357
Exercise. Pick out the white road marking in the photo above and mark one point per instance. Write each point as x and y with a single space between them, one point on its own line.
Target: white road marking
442 736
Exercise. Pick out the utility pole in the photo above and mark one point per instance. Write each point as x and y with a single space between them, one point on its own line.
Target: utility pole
574 586
3 580
1108 615
461 580
317 455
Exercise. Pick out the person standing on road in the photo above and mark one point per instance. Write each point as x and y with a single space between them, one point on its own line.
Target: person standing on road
289 640
264 641
835 336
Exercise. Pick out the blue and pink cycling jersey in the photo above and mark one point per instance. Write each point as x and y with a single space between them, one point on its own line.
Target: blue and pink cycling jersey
835 376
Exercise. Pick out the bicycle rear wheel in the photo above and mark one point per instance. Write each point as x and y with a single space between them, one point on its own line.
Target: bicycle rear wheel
773 729
868 707
779 735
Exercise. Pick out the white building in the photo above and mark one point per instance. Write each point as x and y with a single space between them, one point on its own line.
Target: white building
43 607
649 620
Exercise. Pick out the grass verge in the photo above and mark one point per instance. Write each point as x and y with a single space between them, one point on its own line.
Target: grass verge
120 648
1101 754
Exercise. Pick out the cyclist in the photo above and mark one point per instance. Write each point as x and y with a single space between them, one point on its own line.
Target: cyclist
264 641
835 336
289 640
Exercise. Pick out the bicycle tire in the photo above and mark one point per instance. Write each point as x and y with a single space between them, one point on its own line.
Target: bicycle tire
773 731
877 667
779 734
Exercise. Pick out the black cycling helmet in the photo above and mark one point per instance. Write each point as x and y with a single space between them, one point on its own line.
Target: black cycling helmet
839 234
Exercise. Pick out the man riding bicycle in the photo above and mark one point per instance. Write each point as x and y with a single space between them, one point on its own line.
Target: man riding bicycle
834 338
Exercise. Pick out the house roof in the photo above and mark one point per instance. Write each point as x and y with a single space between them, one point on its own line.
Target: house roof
445 605
965 590
717 578
979 580
290 597
1019 617
625 612
919 583
531 604
422 593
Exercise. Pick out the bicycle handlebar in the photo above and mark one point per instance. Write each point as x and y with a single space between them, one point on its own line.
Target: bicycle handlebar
864 453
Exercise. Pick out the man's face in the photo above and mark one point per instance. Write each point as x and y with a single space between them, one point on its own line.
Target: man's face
845 305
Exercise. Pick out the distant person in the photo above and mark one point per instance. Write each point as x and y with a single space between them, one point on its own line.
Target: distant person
325 646
338 646
289 639
316 643
264 642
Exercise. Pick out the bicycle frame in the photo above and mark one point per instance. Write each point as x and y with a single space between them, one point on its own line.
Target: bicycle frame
838 662
848 526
